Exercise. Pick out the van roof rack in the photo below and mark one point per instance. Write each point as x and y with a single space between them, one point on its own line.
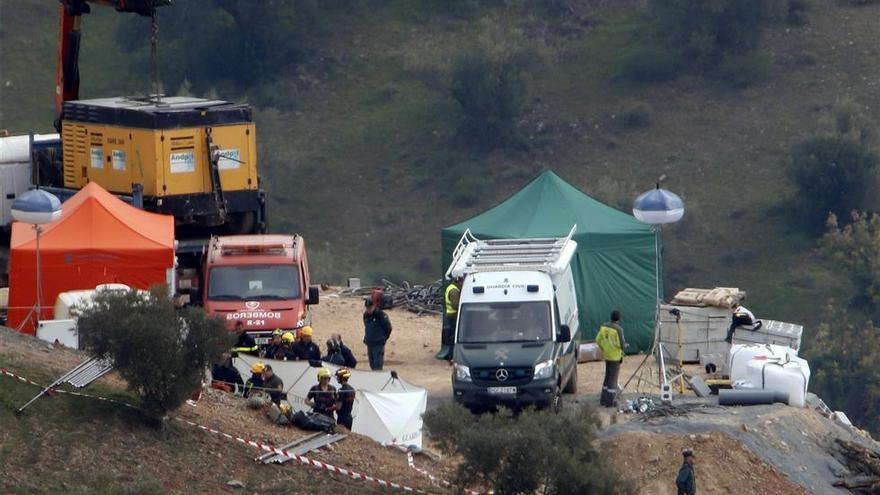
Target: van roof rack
473 255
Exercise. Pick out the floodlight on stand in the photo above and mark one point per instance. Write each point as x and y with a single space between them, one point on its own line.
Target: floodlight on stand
36 207
657 207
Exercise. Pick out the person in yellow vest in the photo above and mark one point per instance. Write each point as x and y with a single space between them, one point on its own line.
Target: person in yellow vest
612 342
451 297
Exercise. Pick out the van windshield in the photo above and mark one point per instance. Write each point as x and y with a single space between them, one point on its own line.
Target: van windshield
253 282
527 321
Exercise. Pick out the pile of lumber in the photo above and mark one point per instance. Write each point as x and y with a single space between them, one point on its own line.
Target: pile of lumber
720 297
864 464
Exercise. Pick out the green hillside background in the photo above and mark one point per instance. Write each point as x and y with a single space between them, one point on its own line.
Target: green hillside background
357 132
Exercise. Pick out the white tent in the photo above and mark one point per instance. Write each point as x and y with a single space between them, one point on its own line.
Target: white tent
392 409
390 417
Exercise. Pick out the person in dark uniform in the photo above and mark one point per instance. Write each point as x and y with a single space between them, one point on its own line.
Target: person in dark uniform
685 482
304 348
322 397
273 384
274 345
244 343
451 297
339 353
345 398
377 330
255 382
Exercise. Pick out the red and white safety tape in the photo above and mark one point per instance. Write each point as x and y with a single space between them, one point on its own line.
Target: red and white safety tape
302 459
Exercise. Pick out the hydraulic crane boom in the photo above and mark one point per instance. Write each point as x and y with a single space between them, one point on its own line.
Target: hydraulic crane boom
67 65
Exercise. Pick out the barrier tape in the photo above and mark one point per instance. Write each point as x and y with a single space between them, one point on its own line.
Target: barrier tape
305 460
301 459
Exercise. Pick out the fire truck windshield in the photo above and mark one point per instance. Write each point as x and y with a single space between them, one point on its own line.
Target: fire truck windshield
253 282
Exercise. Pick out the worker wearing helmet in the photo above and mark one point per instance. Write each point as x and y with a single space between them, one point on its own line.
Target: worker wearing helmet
305 349
256 379
274 345
322 397
346 398
287 351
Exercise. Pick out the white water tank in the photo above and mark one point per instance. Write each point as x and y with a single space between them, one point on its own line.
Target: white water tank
771 367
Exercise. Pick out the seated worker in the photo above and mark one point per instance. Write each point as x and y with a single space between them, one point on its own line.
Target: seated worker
339 353
305 349
274 386
244 344
286 352
346 398
322 397
741 317
274 345
224 376
255 382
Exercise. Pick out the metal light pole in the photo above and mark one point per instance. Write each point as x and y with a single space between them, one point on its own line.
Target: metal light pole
36 207
657 207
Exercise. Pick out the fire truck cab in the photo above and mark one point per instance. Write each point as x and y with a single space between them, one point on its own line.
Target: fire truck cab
259 280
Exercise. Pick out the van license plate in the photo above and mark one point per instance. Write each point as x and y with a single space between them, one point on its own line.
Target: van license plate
262 340
502 390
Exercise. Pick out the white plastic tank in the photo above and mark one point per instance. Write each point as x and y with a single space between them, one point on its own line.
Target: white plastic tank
64 305
771 367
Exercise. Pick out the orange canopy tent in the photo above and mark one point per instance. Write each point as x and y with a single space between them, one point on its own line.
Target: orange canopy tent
98 239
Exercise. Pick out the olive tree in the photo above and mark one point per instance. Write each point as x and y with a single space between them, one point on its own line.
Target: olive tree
162 352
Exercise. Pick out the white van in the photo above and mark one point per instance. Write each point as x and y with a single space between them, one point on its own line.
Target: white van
517 330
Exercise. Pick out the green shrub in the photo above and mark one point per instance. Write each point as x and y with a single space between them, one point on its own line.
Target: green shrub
490 93
833 175
635 116
683 35
649 64
846 370
740 71
161 352
532 452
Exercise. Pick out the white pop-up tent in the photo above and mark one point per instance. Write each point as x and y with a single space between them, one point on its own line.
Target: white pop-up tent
387 408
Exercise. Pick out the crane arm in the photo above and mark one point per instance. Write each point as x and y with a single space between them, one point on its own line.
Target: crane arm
69 34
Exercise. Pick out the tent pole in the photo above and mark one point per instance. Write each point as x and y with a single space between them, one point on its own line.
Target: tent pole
39 279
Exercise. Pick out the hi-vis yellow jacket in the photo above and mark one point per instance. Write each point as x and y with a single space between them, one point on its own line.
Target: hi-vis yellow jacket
609 341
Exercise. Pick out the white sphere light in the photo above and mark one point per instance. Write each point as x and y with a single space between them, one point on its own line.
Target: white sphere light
36 207
658 206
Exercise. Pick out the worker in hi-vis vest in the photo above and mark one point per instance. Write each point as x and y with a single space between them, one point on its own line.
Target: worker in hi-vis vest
451 297
612 342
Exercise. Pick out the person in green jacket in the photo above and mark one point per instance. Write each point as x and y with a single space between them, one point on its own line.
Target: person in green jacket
685 482
612 342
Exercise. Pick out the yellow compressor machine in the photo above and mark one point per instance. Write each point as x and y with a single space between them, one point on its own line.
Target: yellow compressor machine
192 158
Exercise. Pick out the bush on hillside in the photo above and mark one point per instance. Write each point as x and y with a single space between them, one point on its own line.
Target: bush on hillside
855 249
532 452
490 93
846 370
160 351
717 38
833 174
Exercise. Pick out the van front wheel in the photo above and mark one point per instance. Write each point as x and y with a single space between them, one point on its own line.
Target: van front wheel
571 387
556 403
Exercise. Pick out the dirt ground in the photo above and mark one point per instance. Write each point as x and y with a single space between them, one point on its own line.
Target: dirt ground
775 450
415 340
723 465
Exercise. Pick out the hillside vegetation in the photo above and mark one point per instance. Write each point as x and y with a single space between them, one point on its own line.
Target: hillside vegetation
377 123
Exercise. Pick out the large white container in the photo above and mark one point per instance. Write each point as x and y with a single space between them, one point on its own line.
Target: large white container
703 329
771 367
15 170
772 332
80 298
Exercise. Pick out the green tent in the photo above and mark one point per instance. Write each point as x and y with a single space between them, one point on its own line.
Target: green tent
616 262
